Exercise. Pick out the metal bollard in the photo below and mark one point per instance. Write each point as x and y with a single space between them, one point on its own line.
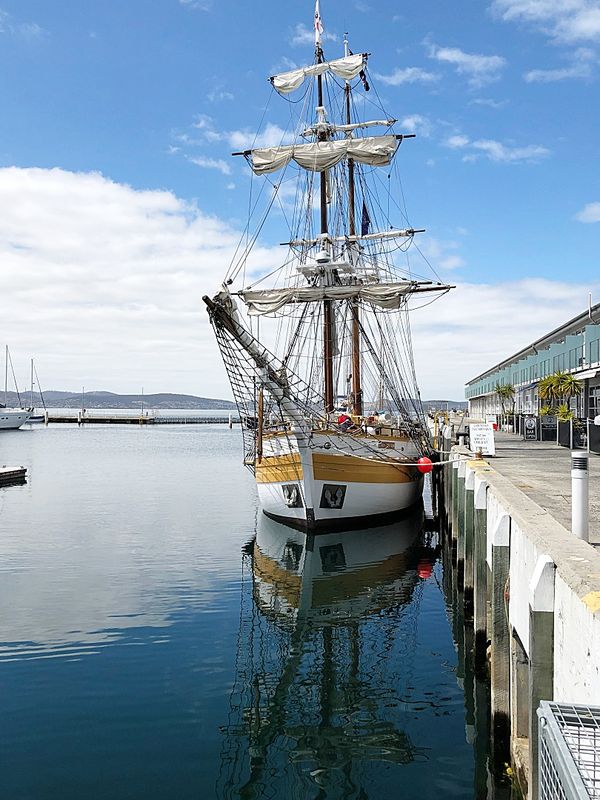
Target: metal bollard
580 494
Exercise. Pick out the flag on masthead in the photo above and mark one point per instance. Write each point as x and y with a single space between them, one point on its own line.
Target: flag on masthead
318 25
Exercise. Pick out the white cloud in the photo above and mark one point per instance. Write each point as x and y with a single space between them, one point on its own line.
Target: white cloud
566 21
440 253
456 142
408 75
496 151
219 95
589 213
25 30
581 67
415 123
451 262
560 74
199 5
271 136
305 35
103 283
480 69
206 125
473 320
486 101
211 163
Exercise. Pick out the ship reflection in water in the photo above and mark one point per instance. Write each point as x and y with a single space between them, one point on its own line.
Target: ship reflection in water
326 662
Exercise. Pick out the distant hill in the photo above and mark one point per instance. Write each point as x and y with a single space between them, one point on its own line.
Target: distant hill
442 405
103 399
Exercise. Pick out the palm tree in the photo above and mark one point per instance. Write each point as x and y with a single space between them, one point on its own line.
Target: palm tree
547 389
506 391
568 385
559 388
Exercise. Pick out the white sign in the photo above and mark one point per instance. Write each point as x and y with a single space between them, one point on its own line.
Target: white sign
491 418
481 437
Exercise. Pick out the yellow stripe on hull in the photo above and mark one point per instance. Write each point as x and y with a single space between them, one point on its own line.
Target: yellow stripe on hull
334 469
349 469
279 469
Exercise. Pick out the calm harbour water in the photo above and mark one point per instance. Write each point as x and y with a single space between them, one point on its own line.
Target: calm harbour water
152 647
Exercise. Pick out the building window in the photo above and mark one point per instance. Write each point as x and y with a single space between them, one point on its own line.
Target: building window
594 402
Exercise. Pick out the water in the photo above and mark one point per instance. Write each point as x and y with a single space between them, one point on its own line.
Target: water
151 647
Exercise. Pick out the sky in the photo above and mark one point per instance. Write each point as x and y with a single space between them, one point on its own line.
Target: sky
122 206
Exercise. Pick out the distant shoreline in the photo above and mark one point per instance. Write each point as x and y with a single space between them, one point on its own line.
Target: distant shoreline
100 400
160 401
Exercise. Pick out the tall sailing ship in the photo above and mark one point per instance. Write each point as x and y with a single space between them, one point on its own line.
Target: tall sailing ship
321 363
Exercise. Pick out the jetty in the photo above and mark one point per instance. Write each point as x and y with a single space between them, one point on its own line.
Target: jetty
101 418
9 476
529 592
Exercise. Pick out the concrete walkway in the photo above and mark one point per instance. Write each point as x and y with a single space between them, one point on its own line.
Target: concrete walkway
542 470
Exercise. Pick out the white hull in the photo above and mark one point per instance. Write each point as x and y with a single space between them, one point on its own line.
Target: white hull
337 487
363 502
11 419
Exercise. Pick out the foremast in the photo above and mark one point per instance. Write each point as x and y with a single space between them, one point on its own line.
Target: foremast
356 399
328 317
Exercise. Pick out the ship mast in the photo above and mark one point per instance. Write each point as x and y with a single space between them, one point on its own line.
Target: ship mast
328 320
357 403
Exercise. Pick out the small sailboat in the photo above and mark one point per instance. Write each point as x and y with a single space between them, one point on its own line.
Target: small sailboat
11 418
35 417
321 363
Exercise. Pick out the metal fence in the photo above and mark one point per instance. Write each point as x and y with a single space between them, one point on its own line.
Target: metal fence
569 752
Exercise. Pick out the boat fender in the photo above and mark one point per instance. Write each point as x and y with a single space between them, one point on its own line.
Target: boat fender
424 465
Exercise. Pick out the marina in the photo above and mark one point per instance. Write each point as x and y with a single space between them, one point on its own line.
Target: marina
12 475
97 417
253 560
197 647
529 577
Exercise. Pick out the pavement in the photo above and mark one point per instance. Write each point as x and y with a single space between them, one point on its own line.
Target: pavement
542 471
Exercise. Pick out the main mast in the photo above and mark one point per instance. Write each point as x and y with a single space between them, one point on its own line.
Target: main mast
328 321
357 403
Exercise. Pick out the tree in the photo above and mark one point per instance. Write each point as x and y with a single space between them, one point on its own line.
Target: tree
506 391
568 386
558 388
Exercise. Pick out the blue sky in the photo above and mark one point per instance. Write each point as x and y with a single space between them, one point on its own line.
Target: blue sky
153 96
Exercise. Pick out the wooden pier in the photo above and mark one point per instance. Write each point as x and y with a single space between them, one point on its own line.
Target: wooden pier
10 476
137 419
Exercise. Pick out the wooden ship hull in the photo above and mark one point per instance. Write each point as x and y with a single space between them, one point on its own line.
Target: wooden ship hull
324 487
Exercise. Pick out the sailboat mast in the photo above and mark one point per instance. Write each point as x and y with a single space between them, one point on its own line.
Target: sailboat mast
6 376
31 390
357 403
327 304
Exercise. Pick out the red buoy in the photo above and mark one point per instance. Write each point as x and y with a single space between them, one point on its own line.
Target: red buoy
424 569
424 465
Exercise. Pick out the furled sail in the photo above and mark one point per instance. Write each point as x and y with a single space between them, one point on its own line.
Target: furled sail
345 68
371 123
395 233
382 295
318 156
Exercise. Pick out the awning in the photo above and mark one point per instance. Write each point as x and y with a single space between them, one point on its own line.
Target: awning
586 374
